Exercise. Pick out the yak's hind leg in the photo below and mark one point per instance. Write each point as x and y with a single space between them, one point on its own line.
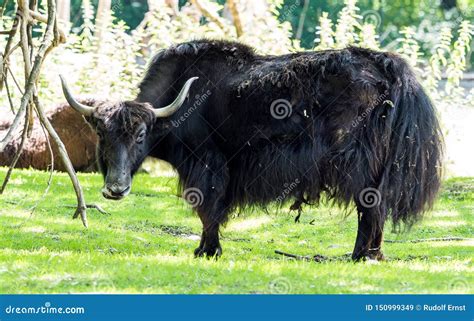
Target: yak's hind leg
368 243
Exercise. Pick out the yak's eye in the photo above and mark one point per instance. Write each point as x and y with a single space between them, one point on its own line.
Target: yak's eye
141 136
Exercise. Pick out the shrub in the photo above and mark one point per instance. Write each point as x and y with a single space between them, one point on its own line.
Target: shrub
113 68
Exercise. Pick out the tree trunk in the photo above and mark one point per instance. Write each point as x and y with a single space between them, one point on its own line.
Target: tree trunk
102 19
235 17
64 12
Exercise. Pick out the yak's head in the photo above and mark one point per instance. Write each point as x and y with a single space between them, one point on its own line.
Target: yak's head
127 131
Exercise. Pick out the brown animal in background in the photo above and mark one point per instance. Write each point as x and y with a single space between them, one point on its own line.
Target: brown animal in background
78 138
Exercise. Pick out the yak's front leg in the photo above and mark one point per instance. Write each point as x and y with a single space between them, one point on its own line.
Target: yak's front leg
369 233
206 191
210 245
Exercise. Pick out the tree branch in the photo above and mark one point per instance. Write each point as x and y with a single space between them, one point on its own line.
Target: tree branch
433 239
206 13
51 168
41 18
236 17
50 39
299 31
9 95
48 43
7 51
4 6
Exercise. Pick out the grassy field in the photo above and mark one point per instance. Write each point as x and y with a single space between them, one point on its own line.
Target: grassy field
145 245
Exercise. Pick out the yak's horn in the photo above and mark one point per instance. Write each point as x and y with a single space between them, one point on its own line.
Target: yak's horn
174 106
83 109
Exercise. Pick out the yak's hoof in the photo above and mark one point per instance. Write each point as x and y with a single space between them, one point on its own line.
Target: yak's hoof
208 252
370 254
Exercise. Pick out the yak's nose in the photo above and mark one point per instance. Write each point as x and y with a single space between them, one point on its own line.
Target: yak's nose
116 188
115 191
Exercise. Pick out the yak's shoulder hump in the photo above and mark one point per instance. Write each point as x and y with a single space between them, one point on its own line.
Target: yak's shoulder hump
200 48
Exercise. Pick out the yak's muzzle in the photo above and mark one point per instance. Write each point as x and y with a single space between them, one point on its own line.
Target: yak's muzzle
115 191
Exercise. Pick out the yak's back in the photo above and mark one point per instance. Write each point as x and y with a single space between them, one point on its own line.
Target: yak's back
211 60
215 48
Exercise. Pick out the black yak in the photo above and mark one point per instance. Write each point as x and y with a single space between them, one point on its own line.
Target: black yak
354 124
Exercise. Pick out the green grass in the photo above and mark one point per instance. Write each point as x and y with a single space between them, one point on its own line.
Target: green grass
146 244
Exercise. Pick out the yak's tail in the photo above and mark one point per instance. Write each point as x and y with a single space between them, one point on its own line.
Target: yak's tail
393 157
410 174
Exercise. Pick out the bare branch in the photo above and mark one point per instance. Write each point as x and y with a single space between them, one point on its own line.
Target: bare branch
94 207
51 168
206 13
10 101
11 50
50 39
15 81
236 17
299 31
4 6
41 18
433 239
16 122
102 20
81 206
7 52
47 44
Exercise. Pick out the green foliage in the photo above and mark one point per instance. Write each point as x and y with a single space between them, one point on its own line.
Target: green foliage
130 11
448 57
368 37
112 67
325 39
145 245
410 48
347 22
438 61
457 63
87 29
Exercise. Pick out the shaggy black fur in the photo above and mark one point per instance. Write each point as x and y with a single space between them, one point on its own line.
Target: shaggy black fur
357 119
